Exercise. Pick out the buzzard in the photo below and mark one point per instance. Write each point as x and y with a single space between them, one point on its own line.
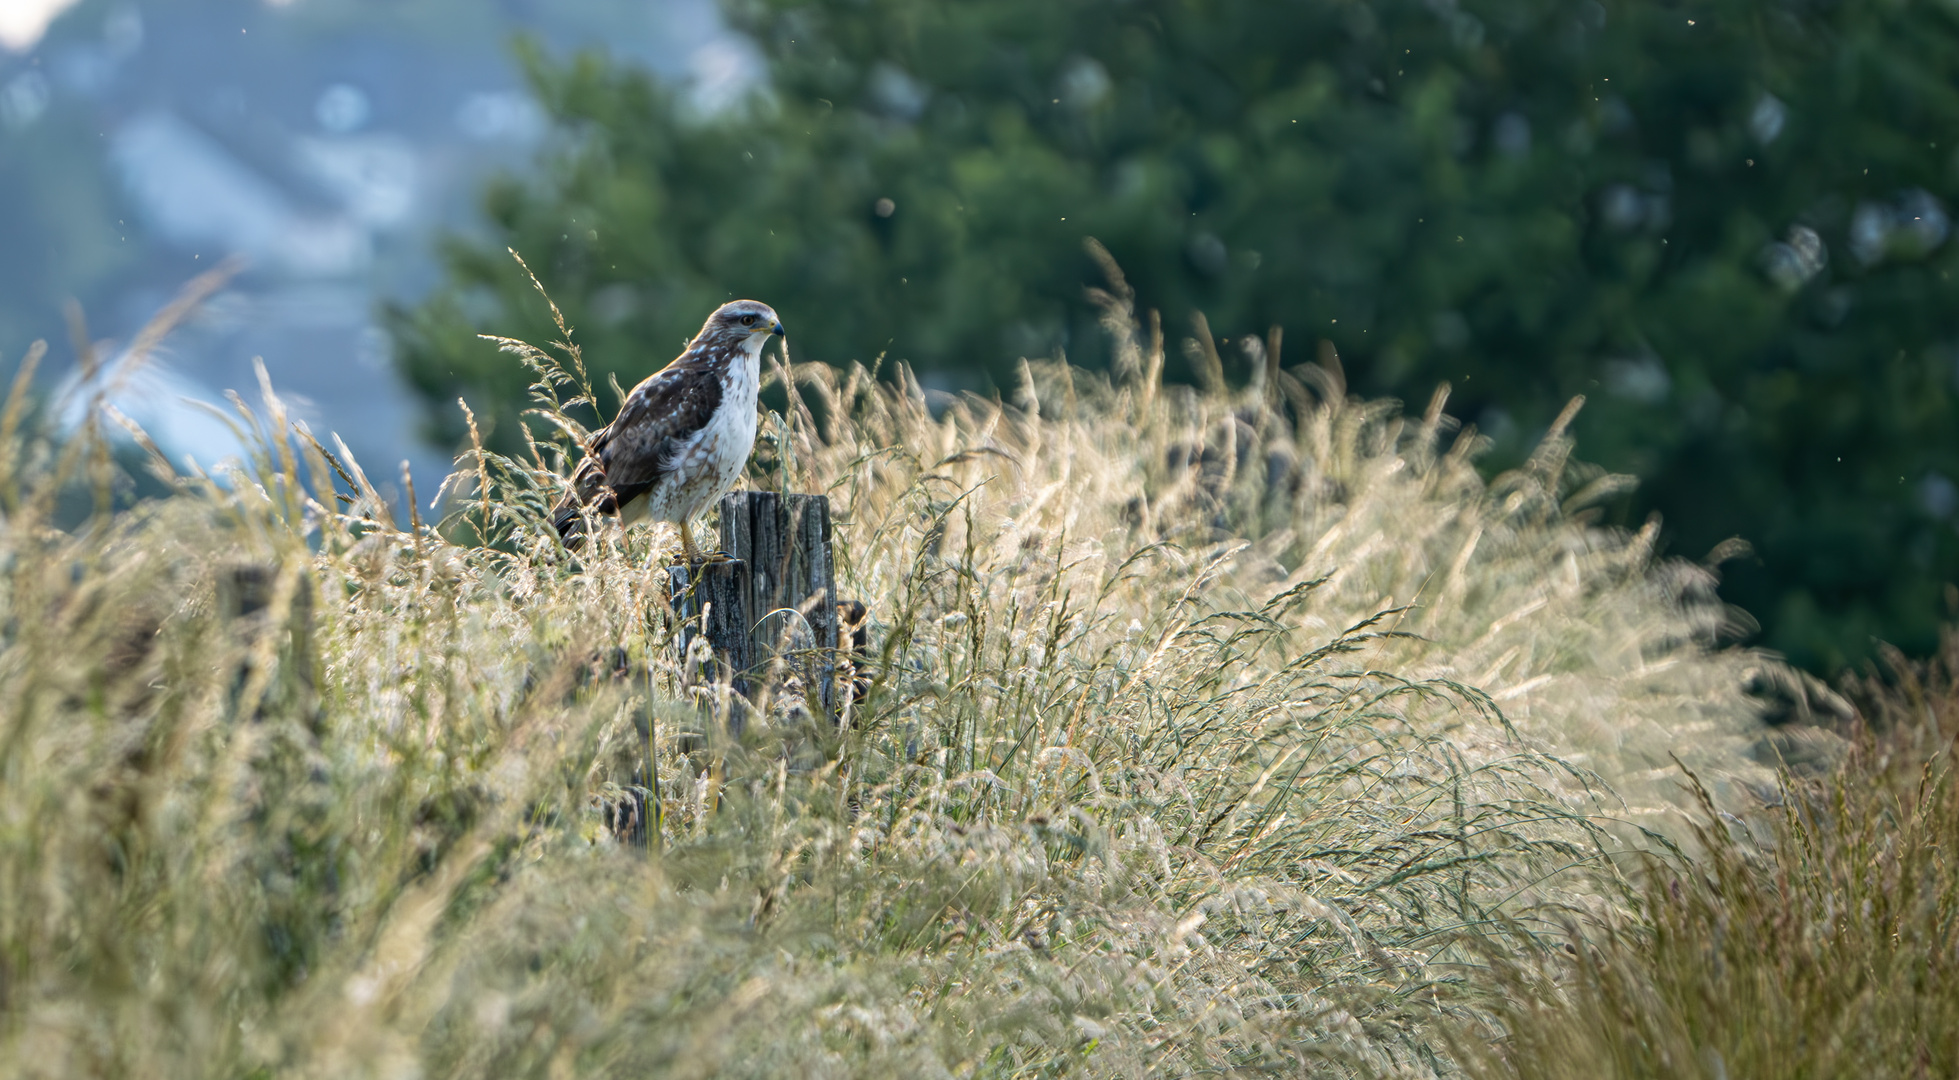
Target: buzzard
682 436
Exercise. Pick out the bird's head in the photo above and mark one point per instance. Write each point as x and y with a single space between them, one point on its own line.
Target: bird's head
743 322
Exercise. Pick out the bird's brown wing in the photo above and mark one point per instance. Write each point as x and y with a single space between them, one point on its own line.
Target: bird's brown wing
625 459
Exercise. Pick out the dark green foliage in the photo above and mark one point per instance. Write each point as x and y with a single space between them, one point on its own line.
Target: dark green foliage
1530 199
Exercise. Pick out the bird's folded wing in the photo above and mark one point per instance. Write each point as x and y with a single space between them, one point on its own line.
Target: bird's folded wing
639 446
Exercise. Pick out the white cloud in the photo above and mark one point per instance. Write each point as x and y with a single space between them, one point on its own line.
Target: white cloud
22 22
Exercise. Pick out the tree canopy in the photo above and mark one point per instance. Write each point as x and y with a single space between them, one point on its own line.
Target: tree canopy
1724 221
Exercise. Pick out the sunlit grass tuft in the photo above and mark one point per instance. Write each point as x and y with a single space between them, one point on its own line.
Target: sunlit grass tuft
1205 731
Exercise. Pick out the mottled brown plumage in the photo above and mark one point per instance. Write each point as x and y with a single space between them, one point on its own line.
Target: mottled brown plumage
682 436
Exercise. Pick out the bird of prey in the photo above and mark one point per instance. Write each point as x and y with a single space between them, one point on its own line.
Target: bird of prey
682 437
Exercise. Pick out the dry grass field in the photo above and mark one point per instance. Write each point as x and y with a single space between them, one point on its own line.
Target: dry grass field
1208 732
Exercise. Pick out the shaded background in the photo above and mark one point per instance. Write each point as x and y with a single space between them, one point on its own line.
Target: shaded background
1725 222
326 141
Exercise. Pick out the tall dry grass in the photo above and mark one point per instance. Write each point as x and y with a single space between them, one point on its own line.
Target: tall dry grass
1206 731
1824 945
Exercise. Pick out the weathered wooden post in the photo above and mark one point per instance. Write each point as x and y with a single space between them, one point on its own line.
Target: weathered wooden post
711 601
772 601
245 594
792 588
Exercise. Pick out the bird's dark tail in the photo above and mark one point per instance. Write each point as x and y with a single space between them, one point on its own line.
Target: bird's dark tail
588 495
568 518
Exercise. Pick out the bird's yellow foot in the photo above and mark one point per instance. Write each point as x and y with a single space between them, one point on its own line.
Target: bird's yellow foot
709 559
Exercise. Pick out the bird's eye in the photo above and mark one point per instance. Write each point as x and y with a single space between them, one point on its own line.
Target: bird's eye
748 320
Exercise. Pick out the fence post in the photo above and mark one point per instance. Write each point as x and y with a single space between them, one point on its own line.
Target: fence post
709 602
785 540
710 599
245 594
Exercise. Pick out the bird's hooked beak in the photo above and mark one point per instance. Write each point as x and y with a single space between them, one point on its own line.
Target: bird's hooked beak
777 329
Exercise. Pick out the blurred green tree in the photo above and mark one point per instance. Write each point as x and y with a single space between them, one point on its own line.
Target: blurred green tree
1724 220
